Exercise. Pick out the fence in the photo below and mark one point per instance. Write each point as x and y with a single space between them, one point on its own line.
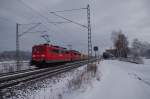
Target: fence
10 66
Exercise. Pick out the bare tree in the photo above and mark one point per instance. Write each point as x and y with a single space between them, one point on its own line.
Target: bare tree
136 46
120 43
140 48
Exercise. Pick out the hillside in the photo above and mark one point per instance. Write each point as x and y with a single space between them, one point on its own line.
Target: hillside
10 55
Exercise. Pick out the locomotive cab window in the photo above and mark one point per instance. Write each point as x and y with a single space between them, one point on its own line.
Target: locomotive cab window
67 52
55 51
38 49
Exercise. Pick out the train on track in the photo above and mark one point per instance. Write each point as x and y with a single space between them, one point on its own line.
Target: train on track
45 54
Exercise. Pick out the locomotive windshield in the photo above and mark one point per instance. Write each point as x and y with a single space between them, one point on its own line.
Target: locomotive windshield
38 49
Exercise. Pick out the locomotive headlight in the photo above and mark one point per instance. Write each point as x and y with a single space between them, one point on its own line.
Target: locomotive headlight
42 55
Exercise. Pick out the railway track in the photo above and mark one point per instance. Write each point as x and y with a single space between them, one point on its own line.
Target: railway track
15 72
11 79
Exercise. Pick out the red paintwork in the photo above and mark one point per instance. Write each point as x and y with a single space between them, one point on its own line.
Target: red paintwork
51 54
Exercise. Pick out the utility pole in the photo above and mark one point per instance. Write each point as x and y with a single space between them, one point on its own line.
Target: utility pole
17 48
89 34
84 26
18 35
95 48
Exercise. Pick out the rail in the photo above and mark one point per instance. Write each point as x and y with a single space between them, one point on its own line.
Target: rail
17 77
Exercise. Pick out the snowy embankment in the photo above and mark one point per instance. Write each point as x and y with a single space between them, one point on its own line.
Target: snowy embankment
114 80
55 87
120 80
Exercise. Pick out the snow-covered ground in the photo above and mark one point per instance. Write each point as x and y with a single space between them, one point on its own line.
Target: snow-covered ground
120 80
114 80
50 88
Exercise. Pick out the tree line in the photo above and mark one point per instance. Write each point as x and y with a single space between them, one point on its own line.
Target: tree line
11 55
121 46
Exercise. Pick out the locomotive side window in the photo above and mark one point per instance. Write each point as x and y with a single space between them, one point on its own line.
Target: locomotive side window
62 51
55 51
75 53
67 52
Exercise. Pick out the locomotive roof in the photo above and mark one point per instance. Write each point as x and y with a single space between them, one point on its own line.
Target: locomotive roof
50 45
74 51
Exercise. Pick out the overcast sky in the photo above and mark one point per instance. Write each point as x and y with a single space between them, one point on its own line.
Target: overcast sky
130 16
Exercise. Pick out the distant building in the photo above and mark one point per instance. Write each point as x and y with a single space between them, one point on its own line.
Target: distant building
109 53
112 51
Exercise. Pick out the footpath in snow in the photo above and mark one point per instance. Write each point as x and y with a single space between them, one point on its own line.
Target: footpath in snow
120 80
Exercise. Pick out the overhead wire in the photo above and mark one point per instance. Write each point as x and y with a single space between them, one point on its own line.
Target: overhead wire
69 10
55 24
57 15
44 17
38 31
60 22
30 23
41 15
34 10
31 28
69 20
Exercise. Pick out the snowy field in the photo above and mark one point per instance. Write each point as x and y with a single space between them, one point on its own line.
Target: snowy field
113 80
120 80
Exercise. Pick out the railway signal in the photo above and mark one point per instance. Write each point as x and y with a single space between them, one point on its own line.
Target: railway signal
95 48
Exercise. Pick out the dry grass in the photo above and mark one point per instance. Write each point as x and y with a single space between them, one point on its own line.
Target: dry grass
85 78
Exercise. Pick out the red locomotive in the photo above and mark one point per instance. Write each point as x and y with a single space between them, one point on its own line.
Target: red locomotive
50 54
